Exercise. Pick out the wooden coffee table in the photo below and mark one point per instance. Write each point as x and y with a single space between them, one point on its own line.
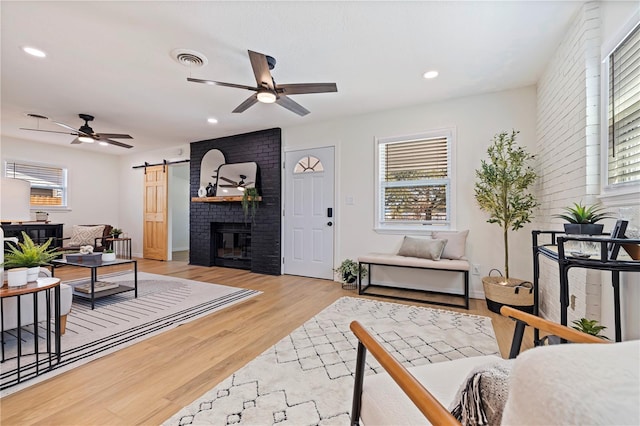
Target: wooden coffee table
94 292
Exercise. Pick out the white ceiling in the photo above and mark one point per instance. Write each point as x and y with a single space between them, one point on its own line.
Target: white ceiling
112 60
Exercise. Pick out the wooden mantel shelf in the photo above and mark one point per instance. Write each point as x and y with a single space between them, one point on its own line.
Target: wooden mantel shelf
222 199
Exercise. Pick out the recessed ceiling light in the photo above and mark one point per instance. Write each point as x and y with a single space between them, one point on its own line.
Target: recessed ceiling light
212 120
34 52
430 74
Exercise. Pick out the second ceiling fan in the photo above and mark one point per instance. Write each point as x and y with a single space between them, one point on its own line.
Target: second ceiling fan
267 91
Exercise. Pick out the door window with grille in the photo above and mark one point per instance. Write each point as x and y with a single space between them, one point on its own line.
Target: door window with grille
414 189
48 183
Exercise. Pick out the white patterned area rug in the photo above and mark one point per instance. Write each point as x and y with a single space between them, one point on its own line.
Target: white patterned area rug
118 321
307 377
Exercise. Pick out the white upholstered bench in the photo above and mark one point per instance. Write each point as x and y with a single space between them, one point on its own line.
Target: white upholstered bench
384 259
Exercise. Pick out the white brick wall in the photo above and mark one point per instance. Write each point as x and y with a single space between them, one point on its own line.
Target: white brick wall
568 126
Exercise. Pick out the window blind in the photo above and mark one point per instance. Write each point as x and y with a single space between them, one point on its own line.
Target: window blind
624 110
48 184
414 181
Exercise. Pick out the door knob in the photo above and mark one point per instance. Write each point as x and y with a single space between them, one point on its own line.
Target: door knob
330 223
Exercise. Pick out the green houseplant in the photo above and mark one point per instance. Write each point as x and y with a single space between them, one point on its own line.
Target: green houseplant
250 200
349 270
582 219
590 327
115 232
28 254
502 187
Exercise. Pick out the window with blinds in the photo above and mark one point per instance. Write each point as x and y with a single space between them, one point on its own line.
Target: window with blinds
414 186
48 183
624 111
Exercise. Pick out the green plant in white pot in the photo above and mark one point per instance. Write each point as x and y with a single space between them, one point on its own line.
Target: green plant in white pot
27 254
502 189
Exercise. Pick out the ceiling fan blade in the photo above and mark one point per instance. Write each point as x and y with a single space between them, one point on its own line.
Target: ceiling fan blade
116 143
66 126
261 69
101 136
250 101
228 180
220 83
292 105
50 131
228 186
76 141
298 89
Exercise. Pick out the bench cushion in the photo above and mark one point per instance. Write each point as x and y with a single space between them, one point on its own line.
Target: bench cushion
395 260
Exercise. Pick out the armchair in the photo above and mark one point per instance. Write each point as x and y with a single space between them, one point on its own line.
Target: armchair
560 384
82 235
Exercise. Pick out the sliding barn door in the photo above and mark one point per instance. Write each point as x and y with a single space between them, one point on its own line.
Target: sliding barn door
155 225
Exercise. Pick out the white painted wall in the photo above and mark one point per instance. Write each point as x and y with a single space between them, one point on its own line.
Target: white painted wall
476 119
93 181
179 202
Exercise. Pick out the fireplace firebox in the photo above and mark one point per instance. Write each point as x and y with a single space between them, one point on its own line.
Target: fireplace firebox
231 245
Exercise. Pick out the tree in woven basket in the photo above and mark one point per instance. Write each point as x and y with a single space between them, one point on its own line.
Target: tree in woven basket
502 187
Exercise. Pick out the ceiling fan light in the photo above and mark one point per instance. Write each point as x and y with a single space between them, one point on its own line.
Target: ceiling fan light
241 188
266 97
103 143
34 52
85 139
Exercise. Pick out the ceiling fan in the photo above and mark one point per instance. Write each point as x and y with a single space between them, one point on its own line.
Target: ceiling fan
85 133
241 184
267 91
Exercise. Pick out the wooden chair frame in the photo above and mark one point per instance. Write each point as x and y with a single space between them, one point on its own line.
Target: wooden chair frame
432 409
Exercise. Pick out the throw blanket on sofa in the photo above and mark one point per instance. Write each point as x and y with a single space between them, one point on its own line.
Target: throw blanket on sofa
482 397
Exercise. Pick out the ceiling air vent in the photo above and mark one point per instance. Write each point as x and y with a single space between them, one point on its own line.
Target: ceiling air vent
189 58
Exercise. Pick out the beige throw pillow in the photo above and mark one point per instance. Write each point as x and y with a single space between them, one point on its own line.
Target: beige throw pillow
85 235
425 248
456 243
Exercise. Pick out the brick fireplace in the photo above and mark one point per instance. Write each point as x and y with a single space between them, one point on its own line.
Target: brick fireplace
244 244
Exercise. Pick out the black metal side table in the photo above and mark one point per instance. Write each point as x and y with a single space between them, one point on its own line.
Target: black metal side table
603 261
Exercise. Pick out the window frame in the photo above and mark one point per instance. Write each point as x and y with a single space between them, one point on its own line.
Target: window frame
625 193
380 225
65 188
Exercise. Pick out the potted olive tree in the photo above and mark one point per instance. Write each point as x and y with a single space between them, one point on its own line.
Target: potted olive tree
502 190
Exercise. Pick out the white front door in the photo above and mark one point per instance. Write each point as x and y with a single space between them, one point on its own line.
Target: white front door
308 213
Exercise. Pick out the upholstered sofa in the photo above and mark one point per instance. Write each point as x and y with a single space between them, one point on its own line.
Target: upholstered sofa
577 383
10 306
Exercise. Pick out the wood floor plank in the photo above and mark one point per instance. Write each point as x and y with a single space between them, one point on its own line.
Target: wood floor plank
148 382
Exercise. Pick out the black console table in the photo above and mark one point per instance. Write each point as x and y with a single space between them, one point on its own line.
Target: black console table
39 232
605 260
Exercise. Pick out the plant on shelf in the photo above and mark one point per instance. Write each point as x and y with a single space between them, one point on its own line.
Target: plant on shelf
27 254
115 232
349 270
502 187
590 327
583 219
250 200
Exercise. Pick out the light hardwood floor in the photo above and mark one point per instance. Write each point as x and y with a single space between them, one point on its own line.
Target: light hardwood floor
150 381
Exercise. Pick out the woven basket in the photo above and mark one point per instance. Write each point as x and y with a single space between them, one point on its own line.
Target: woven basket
500 291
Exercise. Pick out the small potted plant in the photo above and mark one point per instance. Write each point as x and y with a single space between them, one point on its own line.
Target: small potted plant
348 271
108 255
590 327
115 232
582 219
29 255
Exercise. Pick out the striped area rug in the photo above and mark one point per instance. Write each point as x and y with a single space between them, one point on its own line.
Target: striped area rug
117 321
